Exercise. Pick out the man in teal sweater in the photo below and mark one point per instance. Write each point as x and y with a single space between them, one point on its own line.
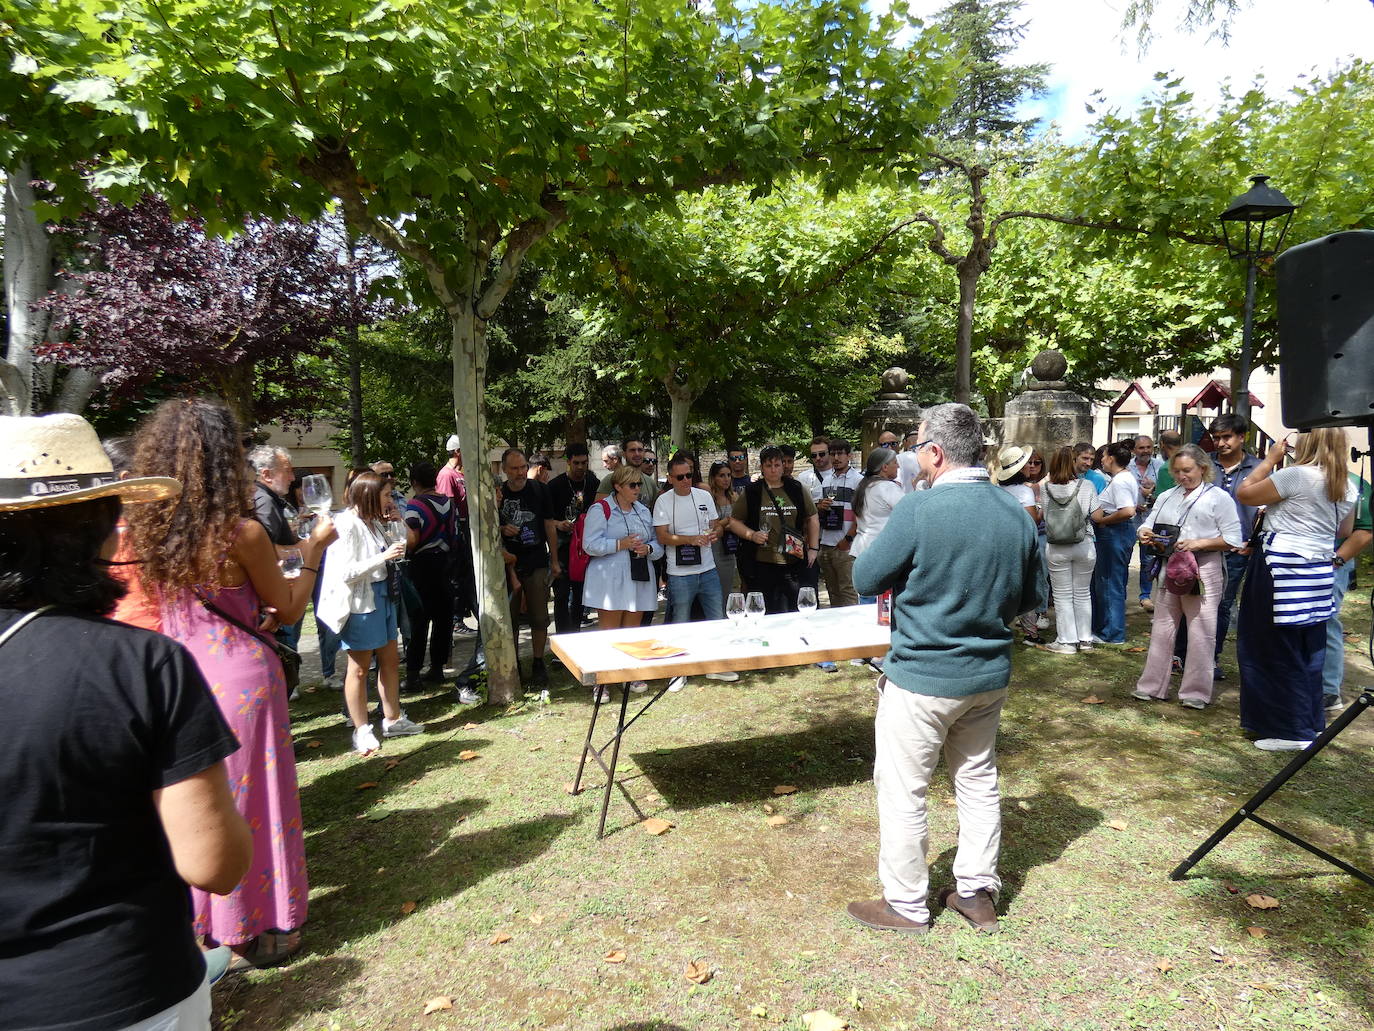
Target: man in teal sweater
961 562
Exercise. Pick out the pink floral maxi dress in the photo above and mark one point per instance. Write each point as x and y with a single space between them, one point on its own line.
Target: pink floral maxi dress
246 678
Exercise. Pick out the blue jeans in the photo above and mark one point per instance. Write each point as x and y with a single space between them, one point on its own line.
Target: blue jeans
1333 667
1146 581
1110 577
329 641
685 588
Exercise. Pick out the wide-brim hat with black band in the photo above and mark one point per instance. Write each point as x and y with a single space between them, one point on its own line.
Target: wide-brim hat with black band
1010 461
48 460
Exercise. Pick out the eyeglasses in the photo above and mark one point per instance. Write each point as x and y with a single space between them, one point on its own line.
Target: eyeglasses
819 454
921 444
682 476
634 486
651 461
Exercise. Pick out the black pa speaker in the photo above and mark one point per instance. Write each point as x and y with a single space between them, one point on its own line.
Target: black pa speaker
1326 331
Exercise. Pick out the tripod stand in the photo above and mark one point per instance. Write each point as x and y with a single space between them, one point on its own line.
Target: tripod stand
1247 810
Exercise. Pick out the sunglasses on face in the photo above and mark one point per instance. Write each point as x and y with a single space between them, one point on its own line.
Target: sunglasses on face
820 454
634 486
682 476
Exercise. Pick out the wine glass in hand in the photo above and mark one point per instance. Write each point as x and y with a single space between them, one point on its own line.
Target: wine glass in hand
291 562
316 494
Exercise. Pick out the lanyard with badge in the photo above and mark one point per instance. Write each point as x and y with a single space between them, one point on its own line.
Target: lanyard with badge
833 517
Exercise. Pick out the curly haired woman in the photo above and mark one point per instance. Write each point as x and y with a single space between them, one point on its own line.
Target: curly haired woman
204 551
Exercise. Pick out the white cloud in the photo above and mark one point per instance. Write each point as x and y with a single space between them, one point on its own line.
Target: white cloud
1084 43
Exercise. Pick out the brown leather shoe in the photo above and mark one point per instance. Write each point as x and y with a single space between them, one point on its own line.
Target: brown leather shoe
980 911
878 914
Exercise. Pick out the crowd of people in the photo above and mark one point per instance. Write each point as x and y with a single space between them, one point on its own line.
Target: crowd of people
182 770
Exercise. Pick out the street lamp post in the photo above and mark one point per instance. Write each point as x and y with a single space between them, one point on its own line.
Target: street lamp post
1243 225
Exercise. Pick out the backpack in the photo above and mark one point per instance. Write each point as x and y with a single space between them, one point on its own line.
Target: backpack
578 559
1064 522
1181 573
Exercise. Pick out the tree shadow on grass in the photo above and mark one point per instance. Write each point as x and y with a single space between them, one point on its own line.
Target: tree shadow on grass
276 998
363 874
1322 920
827 755
1036 830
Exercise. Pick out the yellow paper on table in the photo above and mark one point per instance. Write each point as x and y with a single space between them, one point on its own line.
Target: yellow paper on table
650 649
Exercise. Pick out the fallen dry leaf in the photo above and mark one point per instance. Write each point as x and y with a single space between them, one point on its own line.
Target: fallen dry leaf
697 971
1164 966
314 744
1118 825
778 821
407 908
655 825
1092 699
367 784
1264 986
1232 889
821 1020
785 789
467 755
759 1011
439 1002
1258 901
568 788
1216 950
391 764
537 748
1257 932
537 919
1135 649
499 938
471 726
769 809
615 956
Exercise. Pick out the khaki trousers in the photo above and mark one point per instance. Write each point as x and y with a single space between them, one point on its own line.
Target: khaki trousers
911 731
838 569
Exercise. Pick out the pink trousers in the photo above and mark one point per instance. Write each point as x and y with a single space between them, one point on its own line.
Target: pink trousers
1201 612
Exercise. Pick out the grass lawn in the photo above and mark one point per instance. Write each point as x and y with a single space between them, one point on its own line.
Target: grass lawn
418 879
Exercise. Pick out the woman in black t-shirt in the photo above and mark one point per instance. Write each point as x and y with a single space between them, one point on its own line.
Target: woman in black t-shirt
110 815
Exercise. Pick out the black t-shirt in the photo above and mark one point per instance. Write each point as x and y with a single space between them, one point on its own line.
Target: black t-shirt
526 509
570 500
95 924
275 513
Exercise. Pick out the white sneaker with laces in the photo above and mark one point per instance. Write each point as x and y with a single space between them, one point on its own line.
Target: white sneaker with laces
678 683
727 676
1060 648
467 696
365 740
601 695
638 686
1042 621
401 727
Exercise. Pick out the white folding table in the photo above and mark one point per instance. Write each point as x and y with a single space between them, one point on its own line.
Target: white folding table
714 646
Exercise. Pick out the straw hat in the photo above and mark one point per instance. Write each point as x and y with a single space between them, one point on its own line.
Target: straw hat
48 460
1010 461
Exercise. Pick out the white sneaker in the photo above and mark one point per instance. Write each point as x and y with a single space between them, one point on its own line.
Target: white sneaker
365 740
467 696
1278 744
334 680
401 727
601 696
638 686
1042 621
1060 648
678 683
295 695
727 676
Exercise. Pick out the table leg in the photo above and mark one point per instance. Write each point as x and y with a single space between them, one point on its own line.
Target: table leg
587 744
615 757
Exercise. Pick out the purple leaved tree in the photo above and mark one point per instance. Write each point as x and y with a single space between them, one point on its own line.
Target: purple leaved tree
157 301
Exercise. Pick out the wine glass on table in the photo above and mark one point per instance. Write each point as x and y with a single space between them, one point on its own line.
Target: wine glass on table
806 600
734 612
754 608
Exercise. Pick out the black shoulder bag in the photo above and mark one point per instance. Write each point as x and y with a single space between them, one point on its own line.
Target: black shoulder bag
290 659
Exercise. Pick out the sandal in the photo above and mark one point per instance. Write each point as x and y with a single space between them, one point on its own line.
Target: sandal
268 949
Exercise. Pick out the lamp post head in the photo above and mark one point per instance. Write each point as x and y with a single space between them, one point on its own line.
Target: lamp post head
1254 210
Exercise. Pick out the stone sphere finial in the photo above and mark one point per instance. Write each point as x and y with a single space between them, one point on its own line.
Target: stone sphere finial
895 381
1048 366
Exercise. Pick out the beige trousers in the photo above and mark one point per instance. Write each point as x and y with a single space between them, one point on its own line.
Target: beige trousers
838 569
911 731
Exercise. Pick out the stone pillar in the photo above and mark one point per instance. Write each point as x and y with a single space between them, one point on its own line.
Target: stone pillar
1047 415
892 409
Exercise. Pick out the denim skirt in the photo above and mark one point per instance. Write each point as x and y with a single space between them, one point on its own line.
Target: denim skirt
368 631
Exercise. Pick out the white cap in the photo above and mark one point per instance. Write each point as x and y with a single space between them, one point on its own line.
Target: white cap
454 444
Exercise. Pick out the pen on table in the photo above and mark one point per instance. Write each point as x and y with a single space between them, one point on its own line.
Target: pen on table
806 642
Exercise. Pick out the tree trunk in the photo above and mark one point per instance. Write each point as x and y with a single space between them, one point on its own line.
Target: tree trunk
575 430
28 276
235 386
77 389
680 396
357 444
469 414
963 341
729 420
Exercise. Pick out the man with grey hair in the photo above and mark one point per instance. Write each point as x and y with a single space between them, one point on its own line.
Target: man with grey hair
272 478
961 560
611 457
